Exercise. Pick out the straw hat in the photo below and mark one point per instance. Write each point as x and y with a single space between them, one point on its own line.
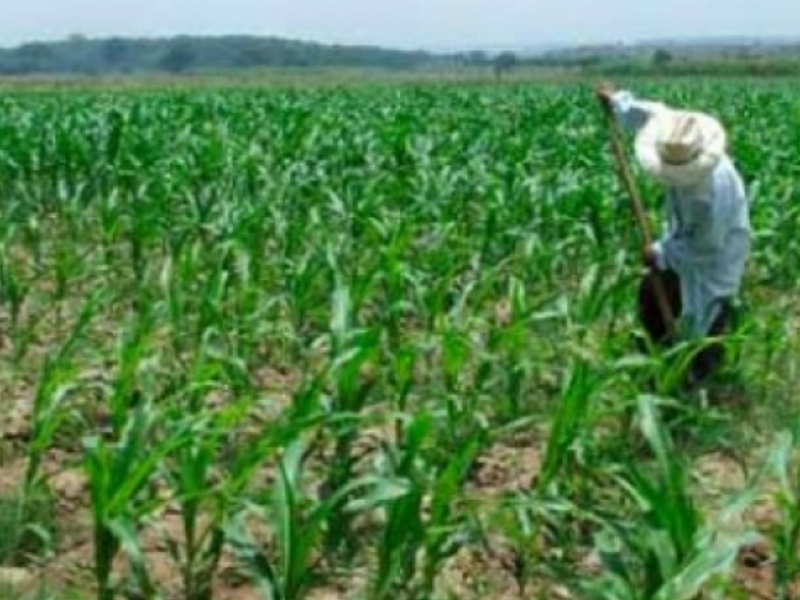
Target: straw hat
680 148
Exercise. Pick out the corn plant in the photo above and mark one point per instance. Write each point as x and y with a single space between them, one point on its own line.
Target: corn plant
120 473
671 552
570 425
785 532
411 532
199 550
287 571
351 353
208 495
27 519
56 383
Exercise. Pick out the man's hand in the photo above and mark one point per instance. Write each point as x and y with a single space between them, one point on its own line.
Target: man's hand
605 91
650 257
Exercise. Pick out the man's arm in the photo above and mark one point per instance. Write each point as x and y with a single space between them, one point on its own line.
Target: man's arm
631 112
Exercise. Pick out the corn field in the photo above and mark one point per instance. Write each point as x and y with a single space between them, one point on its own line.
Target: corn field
378 342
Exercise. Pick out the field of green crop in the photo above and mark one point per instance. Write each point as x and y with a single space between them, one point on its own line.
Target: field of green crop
376 342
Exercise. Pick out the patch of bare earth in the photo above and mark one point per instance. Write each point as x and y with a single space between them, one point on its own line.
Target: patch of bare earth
504 468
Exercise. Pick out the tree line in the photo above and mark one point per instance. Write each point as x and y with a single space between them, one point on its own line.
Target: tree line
79 55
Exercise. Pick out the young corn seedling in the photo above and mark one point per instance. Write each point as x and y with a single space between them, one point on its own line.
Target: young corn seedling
400 496
120 473
420 504
27 520
125 392
208 493
353 352
785 533
190 477
510 341
446 526
287 570
570 422
666 550
14 290
50 406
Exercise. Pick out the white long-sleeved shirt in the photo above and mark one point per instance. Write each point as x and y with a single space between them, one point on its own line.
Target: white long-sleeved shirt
707 237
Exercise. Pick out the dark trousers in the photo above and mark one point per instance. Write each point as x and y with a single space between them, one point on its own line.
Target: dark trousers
707 360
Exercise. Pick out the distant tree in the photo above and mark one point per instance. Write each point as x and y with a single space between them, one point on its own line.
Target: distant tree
476 58
35 57
179 57
505 62
588 61
662 58
115 52
35 51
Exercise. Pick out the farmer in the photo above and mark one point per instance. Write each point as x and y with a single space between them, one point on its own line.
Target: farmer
701 257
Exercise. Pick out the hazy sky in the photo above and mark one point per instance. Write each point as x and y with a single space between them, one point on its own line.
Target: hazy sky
439 24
